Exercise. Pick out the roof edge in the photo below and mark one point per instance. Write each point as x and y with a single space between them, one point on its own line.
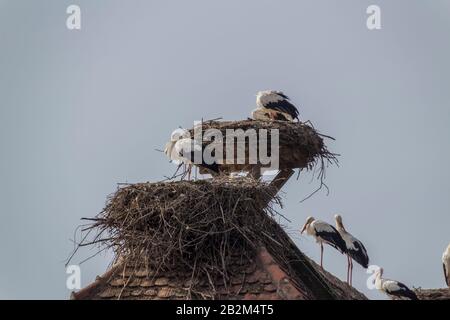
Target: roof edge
99 280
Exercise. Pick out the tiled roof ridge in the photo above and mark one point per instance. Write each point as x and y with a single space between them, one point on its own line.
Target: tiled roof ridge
99 281
285 280
286 288
290 275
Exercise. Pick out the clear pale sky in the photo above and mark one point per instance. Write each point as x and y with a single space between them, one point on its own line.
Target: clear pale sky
81 111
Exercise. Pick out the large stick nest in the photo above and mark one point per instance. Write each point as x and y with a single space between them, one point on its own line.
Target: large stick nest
190 225
300 144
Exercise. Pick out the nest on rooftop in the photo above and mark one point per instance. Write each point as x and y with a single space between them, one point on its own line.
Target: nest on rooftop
193 226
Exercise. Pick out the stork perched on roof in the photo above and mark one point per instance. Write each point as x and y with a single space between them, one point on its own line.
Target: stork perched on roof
324 233
393 288
182 149
446 264
274 105
355 249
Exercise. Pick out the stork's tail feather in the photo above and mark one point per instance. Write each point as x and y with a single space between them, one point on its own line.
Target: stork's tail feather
411 295
362 260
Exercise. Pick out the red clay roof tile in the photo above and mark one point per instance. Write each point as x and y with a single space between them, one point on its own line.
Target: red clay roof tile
263 277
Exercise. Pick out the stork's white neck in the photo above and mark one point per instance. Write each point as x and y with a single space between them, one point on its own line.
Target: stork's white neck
378 281
446 255
310 229
340 227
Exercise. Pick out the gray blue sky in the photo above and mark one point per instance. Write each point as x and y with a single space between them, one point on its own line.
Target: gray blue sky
81 111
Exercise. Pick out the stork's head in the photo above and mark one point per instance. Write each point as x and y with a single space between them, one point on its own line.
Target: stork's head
338 219
179 134
309 220
260 94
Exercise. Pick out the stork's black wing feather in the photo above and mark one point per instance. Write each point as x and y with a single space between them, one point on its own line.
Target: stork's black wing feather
280 116
333 238
213 167
284 106
197 154
281 94
404 292
359 254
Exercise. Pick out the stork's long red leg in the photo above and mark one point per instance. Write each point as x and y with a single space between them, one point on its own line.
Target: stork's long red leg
321 255
348 269
351 271
184 171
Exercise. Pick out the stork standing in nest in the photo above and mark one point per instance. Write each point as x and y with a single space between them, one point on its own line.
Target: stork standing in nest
170 151
355 249
274 105
324 233
183 150
446 264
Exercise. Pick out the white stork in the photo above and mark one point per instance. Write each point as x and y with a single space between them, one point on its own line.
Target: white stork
393 288
446 264
355 249
274 105
324 233
182 149
170 150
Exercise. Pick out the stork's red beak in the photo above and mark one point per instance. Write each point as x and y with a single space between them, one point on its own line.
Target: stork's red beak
303 229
